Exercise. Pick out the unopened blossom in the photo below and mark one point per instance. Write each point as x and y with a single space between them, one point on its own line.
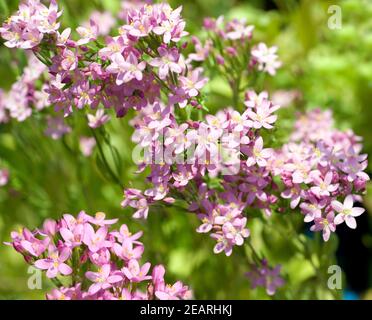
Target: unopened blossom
347 212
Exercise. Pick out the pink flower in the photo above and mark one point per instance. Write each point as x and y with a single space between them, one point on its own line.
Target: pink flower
323 187
113 46
99 220
54 264
88 33
69 60
126 69
313 209
266 58
175 292
98 120
72 238
95 240
259 155
293 193
31 244
135 199
135 273
102 279
326 224
238 30
255 100
124 235
169 61
87 145
262 117
193 82
72 293
347 212
126 251
4 177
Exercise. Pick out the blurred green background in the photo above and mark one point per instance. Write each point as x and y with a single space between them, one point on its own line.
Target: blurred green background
330 68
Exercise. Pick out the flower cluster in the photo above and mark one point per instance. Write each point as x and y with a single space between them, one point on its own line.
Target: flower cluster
320 167
101 264
182 156
27 28
25 96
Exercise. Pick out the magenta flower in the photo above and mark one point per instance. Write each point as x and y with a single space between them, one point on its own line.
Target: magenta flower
135 273
55 262
102 279
347 212
126 69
